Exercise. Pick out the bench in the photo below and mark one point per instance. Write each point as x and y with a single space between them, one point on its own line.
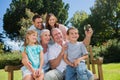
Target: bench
95 65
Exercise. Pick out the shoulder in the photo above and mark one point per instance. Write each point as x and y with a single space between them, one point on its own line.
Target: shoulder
39 46
53 46
80 43
31 27
22 48
61 25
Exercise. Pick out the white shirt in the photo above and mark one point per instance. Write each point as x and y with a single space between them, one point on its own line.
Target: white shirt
46 65
54 52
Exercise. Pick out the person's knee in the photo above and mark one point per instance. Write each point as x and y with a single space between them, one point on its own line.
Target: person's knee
28 77
53 75
49 76
82 68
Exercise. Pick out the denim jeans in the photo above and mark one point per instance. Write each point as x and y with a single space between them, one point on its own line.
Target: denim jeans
78 73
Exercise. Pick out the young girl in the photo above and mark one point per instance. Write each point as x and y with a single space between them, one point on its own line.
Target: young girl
34 53
75 56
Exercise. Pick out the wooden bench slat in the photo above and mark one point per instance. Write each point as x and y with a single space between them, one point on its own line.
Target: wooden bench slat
10 68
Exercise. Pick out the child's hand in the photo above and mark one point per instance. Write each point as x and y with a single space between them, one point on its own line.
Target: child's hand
71 64
34 74
76 62
89 33
39 71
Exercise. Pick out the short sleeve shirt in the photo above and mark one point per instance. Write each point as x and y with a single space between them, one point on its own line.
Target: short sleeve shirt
46 65
54 52
76 50
33 53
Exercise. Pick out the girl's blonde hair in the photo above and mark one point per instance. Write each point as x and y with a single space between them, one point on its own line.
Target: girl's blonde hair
28 33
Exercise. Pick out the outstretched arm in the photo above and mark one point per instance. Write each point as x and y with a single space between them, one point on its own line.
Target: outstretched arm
88 36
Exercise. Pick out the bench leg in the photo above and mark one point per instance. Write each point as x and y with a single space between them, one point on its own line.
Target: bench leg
10 75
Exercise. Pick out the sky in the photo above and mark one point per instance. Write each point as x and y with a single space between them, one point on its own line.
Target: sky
79 5
4 4
75 5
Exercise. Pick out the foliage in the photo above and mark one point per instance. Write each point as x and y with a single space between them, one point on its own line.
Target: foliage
25 23
10 59
109 51
78 21
105 20
112 52
17 9
1 48
58 7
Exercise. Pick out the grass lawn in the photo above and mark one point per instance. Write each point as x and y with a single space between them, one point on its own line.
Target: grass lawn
110 72
4 75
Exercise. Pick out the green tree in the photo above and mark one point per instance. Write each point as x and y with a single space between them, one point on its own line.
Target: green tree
25 23
105 19
79 20
1 48
59 8
13 16
17 11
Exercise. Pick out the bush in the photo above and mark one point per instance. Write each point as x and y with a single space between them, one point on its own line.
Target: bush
112 52
10 59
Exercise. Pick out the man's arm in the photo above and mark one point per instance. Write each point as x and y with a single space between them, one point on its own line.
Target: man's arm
55 62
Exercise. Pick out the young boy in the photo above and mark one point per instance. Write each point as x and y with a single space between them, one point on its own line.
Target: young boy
75 56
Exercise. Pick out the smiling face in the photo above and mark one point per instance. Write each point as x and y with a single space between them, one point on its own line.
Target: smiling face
57 35
32 38
38 23
52 21
73 35
45 36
